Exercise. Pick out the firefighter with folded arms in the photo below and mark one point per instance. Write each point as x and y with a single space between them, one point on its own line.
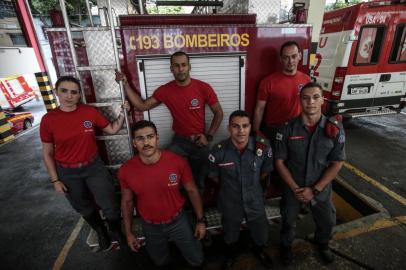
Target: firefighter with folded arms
239 164
70 155
309 153
154 178
186 99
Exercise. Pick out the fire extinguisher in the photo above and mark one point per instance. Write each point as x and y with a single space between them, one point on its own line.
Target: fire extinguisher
300 13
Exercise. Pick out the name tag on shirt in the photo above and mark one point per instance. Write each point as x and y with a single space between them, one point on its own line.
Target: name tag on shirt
296 138
226 164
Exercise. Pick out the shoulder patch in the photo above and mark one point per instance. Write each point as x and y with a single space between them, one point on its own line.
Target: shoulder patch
269 154
212 159
335 120
341 139
259 152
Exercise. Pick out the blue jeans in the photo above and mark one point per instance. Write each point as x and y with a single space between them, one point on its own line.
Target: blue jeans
178 231
197 157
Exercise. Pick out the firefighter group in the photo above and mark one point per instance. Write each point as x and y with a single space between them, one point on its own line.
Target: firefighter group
289 139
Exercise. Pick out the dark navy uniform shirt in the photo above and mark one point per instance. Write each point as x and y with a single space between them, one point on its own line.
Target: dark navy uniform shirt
307 155
241 193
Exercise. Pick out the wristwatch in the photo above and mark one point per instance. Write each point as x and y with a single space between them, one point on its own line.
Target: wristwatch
315 190
203 220
209 137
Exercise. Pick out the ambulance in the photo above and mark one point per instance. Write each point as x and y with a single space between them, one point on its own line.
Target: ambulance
361 59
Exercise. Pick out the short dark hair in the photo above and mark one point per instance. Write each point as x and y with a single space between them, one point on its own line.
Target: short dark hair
180 53
287 44
238 113
67 79
143 124
311 85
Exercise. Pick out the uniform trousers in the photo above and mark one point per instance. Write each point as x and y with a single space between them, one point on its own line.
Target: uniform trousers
178 231
324 216
89 185
258 229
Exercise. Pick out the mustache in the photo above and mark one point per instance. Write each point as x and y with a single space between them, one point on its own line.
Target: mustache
147 147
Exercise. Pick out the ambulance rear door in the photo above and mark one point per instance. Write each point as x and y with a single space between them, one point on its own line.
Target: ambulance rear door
362 78
376 75
391 87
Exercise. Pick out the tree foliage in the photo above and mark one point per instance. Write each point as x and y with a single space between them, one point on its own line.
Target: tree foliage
165 10
73 7
342 3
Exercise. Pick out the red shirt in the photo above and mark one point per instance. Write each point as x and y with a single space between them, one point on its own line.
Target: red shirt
72 133
281 93
187 104
156 185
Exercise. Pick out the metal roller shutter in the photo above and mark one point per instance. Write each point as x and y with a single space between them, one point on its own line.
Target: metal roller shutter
225 73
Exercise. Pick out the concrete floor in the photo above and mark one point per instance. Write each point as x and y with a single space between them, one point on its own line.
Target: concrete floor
35 222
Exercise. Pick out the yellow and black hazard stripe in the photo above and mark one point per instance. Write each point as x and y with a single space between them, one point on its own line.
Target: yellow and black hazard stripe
46 90
5 131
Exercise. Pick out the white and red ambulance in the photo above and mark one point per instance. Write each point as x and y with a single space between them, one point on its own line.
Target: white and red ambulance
361 58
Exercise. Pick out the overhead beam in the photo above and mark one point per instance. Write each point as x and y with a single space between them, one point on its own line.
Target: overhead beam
190 3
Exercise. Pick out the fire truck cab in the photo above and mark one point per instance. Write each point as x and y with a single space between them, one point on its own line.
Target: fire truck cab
361 59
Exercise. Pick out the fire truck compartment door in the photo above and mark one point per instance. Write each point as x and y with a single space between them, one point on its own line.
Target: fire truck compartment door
225 73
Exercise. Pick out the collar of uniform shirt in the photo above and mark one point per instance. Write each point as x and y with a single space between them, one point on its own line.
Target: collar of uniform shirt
321 123
250 146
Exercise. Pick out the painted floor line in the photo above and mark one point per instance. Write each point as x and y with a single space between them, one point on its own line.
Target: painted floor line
374 182
377 225
65 250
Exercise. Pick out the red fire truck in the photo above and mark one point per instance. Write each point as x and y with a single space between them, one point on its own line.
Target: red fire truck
230 52
361 58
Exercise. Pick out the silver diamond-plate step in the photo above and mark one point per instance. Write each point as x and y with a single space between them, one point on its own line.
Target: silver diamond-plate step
373 113
213 221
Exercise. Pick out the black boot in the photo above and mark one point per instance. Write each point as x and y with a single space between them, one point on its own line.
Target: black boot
115 229
263 256
230 256
96 223
326 253
286 254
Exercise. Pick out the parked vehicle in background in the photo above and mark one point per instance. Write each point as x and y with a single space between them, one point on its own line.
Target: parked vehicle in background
361 59
19 121
14 92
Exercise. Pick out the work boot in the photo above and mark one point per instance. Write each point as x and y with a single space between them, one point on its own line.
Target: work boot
286 255
96 223
195 268
228 264
326 253
166 267
263 256
115 229
230 256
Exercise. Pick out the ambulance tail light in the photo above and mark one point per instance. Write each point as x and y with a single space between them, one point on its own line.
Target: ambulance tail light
338 83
